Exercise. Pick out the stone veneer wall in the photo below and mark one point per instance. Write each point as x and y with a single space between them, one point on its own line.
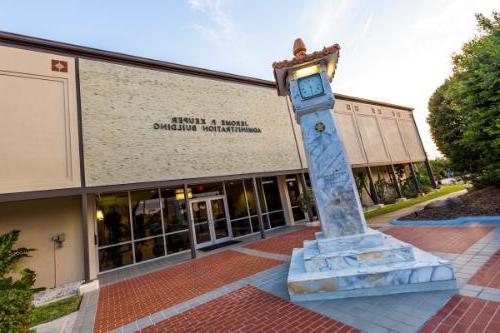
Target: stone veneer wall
120 104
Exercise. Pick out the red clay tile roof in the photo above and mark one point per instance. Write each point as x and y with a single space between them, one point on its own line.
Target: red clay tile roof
297 60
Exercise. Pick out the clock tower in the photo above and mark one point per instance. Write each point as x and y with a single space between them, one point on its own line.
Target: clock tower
347 259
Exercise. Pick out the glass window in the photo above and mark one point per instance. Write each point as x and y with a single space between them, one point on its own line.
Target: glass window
265 219
115 256
255 223
236 199
271 193
113 219
298 214
313 202
250 196
263 206
241 227
293 190
292 184
276 219
174 210
149 249
146 213
204 190
177 242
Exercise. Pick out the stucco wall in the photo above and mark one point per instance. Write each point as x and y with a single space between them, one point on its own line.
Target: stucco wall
38 221
375 135
120 105
38 127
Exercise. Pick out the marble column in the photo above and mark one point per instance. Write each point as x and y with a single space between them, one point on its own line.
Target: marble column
338 204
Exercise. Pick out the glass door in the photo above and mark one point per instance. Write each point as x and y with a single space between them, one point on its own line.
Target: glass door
210 220
219 219
201 221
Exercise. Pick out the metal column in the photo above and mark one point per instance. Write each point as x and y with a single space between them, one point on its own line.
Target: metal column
374 195
190 223
395 179
430 174
415 178
259 210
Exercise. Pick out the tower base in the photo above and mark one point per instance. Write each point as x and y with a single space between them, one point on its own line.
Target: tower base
367 264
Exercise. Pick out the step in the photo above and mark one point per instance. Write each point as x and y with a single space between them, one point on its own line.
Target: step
391 251
426 272
371 238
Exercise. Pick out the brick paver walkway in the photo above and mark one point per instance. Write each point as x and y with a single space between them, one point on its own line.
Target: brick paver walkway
249 310
285 244
245 288
489 274
450 240
132 299
466 314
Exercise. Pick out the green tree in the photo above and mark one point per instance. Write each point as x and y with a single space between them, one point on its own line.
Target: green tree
464 112
441 167
16 286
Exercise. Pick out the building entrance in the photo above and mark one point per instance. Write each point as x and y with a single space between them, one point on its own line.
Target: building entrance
210 220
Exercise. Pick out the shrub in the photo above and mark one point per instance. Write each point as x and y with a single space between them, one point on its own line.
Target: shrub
16 286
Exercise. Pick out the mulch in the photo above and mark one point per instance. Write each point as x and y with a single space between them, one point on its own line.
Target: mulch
484 202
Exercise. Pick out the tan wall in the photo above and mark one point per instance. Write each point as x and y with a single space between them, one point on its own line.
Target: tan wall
38 127
120 104
38 221
374 135
411 139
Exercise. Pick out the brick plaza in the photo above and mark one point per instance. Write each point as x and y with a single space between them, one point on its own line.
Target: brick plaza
242 288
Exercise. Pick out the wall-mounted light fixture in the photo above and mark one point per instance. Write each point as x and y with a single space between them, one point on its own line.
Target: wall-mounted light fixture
58 243
179 194
58 240
306 71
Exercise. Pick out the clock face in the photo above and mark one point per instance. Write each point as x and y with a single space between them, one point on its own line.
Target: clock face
310 86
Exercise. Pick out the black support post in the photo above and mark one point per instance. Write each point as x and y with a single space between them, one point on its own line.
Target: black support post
259 209
85 237
374 195
395 180
430 174
303 183
190 223
415 178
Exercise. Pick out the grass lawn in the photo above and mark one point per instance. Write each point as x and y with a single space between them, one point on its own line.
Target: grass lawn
445 189
49 312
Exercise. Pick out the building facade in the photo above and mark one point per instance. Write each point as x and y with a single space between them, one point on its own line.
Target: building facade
109 160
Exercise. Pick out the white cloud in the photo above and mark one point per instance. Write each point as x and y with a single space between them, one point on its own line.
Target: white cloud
219 24
367 25
327 17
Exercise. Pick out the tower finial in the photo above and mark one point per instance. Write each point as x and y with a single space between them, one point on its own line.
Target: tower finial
299 48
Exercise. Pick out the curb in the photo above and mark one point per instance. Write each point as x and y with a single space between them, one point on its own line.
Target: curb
458 220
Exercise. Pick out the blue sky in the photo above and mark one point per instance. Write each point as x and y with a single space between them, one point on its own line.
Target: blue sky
394 51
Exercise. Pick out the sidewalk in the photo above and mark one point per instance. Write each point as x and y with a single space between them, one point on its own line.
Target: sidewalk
60 325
